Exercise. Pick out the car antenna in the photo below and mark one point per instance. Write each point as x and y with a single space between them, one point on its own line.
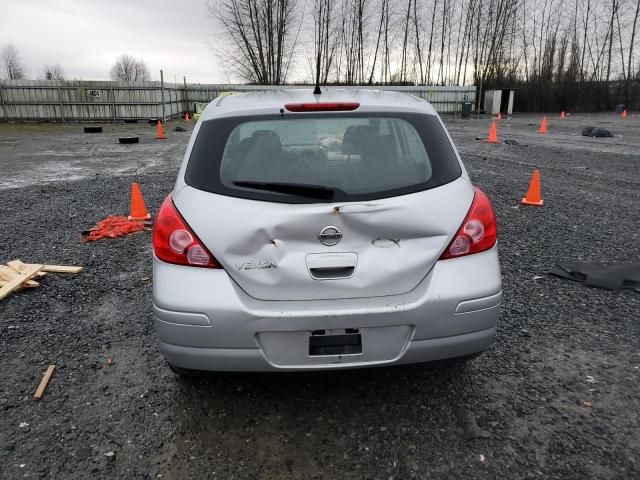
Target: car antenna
317 91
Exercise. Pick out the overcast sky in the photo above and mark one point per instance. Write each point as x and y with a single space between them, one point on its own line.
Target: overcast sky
86 36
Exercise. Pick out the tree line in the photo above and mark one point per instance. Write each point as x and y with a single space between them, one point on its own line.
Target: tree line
559 54
126 68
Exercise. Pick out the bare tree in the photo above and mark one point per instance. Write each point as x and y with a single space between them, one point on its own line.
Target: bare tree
11 64
418 45
129 69
384 11
53 72
430 49
356 52
405 44
631 45
558 53
614 10
260 37
326 39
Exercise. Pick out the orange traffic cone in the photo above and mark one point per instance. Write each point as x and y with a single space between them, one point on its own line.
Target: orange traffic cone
499 116
138 210
493 133
160 131
543 125
187 117
562 116
624 113
533 194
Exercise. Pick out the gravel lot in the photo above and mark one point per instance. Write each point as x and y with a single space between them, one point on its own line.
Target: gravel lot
515 412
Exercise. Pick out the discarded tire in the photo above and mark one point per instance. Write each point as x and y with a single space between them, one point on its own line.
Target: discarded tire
92 129
131 120
129 140
153 121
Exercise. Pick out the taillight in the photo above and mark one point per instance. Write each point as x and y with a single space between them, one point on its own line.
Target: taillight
322 107
478 232
175 242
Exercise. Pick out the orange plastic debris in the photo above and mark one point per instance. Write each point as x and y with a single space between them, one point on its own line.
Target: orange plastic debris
160 131
543 125
533 194
138 210
493 133
112 227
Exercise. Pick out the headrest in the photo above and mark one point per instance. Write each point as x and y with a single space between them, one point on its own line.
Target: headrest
355 138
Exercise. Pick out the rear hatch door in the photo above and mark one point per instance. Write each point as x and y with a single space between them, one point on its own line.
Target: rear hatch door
273 252
389 196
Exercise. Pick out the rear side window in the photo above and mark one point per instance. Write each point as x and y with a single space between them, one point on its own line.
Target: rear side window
350 157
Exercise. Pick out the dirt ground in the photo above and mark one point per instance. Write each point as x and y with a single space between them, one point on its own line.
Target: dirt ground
516 412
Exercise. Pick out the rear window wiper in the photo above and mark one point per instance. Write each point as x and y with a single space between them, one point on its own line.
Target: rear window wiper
300 189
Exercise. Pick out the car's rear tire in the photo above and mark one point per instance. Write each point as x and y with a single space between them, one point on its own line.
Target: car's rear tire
455 362
184 372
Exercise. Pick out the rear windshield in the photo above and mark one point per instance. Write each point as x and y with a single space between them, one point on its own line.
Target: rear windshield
309 158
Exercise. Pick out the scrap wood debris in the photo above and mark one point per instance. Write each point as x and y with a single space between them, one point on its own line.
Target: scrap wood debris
44 382
114 226
16 276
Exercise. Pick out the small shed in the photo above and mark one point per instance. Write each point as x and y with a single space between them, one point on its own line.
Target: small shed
499 101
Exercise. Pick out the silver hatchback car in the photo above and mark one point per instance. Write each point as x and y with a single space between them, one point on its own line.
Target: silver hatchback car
323 231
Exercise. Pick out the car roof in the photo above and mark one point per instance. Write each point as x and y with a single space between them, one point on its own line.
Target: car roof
266 102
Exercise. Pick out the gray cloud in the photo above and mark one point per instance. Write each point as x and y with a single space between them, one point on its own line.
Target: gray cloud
87 36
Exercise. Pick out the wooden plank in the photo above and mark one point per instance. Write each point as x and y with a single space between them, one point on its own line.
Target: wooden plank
61 269
18 267
58 268
27 284
15 282
44 382
6 273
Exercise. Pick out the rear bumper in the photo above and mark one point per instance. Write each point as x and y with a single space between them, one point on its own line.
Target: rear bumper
205 321
254 360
